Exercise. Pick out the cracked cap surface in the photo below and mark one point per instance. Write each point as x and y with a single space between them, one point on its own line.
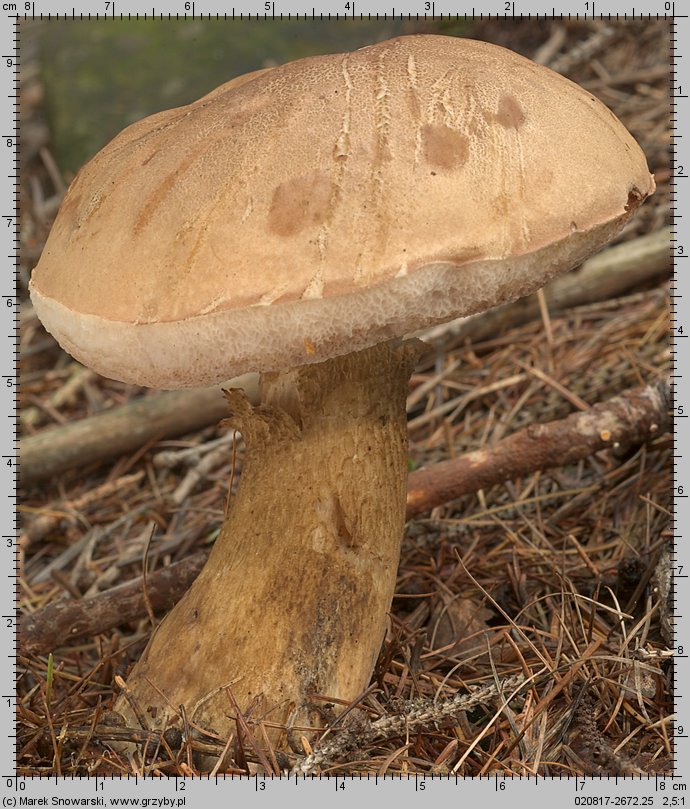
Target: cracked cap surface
308 210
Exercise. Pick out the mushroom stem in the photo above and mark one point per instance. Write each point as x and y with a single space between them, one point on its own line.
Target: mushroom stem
293 600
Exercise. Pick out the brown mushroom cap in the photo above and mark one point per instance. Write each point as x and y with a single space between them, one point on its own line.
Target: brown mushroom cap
314 209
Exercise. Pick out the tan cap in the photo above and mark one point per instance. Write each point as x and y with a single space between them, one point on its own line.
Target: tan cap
317 208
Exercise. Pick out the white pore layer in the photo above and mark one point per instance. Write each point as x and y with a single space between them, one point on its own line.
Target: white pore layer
212 348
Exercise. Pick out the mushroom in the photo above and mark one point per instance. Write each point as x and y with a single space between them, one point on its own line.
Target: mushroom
299 221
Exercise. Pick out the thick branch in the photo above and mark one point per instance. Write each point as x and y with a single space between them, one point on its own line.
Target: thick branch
121 430
637 416
56 623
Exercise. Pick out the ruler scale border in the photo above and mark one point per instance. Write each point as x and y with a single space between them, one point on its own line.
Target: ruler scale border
17 790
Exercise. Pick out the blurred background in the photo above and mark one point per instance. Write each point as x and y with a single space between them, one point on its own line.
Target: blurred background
101 76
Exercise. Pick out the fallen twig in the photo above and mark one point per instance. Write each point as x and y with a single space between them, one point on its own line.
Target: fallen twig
53 625
32 416
210 461
52 515
637 416
585 50
123 429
